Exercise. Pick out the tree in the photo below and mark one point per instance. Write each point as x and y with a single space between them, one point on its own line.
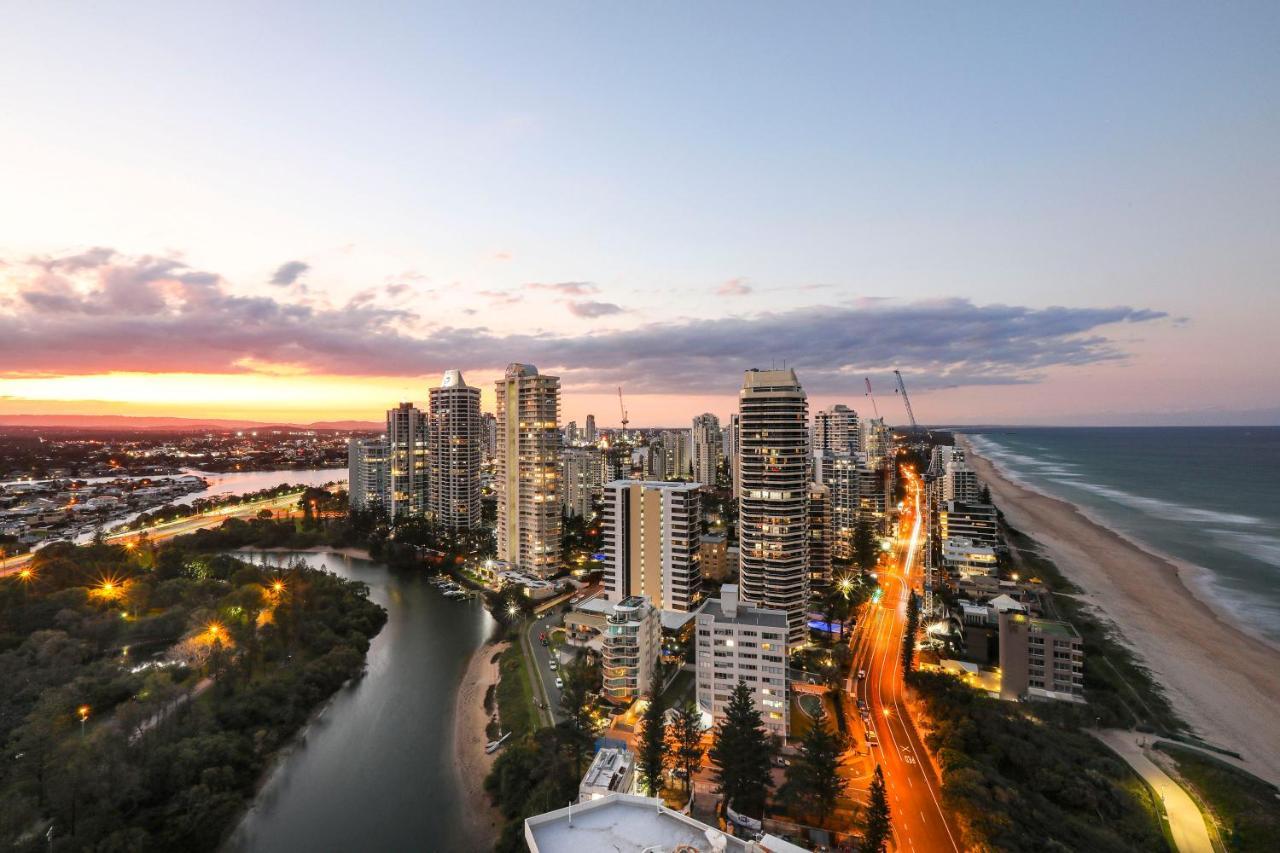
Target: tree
875 836
575 703
651 756
909 637
864 545
743 753
984 496
813 785
686 731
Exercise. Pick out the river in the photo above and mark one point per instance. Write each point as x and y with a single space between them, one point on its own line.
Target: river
376 771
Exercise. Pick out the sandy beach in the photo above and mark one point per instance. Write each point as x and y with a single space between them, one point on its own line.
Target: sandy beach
1222 681
469 741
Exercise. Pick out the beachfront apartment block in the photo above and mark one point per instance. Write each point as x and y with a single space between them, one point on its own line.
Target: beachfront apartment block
632 643
960 482
652 543
975 522
1039 658
962 558
740 642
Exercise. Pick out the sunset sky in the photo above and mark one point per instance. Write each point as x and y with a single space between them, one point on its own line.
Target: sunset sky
304 212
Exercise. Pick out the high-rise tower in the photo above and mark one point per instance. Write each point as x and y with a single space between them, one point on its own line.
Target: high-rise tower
407 461
528 413
456 436
707 449
773 501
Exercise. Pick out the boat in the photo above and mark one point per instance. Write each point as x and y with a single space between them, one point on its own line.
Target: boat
493 745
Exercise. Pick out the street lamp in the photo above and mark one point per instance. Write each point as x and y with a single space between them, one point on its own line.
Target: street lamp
83 711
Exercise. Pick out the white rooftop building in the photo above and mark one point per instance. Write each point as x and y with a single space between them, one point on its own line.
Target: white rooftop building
624 823
612 771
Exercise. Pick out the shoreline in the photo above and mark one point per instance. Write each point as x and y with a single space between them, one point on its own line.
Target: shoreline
469 741
1222 680
357 553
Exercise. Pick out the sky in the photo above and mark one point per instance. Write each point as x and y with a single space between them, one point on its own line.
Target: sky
1039 213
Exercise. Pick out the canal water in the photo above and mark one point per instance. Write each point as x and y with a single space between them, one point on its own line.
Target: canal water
376 771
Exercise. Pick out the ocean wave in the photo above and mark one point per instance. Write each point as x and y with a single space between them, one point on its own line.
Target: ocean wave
1168 510
1263 548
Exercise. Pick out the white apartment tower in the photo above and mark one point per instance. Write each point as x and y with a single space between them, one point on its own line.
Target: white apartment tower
960 482
367 472
707 449
581 479
407 459
732 440
653 543
773 500
738 642
632 640
836 430
528 469
455 448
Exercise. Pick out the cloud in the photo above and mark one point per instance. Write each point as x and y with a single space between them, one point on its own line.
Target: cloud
569 288
500 297
734 287
502 256
289 272
146 313
589 308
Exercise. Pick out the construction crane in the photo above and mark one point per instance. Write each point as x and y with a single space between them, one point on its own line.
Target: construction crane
902 389
623 409
874 407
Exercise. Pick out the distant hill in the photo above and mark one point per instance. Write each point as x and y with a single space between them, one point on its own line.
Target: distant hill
128 422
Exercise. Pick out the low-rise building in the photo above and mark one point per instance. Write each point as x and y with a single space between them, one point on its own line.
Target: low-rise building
738 642
715 565
612 771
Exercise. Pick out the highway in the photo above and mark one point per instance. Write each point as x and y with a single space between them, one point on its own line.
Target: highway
179 527
914 791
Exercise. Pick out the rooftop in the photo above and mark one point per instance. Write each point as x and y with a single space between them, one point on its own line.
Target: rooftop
1054 629
747 615
621 823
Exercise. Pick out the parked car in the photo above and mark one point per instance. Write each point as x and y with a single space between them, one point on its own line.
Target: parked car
559 683
554 666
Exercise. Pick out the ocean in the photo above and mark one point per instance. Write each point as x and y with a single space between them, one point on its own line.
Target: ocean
1209 496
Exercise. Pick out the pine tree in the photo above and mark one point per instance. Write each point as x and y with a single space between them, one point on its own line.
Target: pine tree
687 734
875 836
743 753
651 751
813 785
909 637
864 546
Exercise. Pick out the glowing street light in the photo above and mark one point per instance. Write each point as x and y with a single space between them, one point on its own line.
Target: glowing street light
83 712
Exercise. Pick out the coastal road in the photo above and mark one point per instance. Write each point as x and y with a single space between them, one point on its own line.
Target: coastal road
919 820
179 527
545 688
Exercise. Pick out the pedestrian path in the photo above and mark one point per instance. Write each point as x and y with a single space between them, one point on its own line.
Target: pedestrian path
1186 822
